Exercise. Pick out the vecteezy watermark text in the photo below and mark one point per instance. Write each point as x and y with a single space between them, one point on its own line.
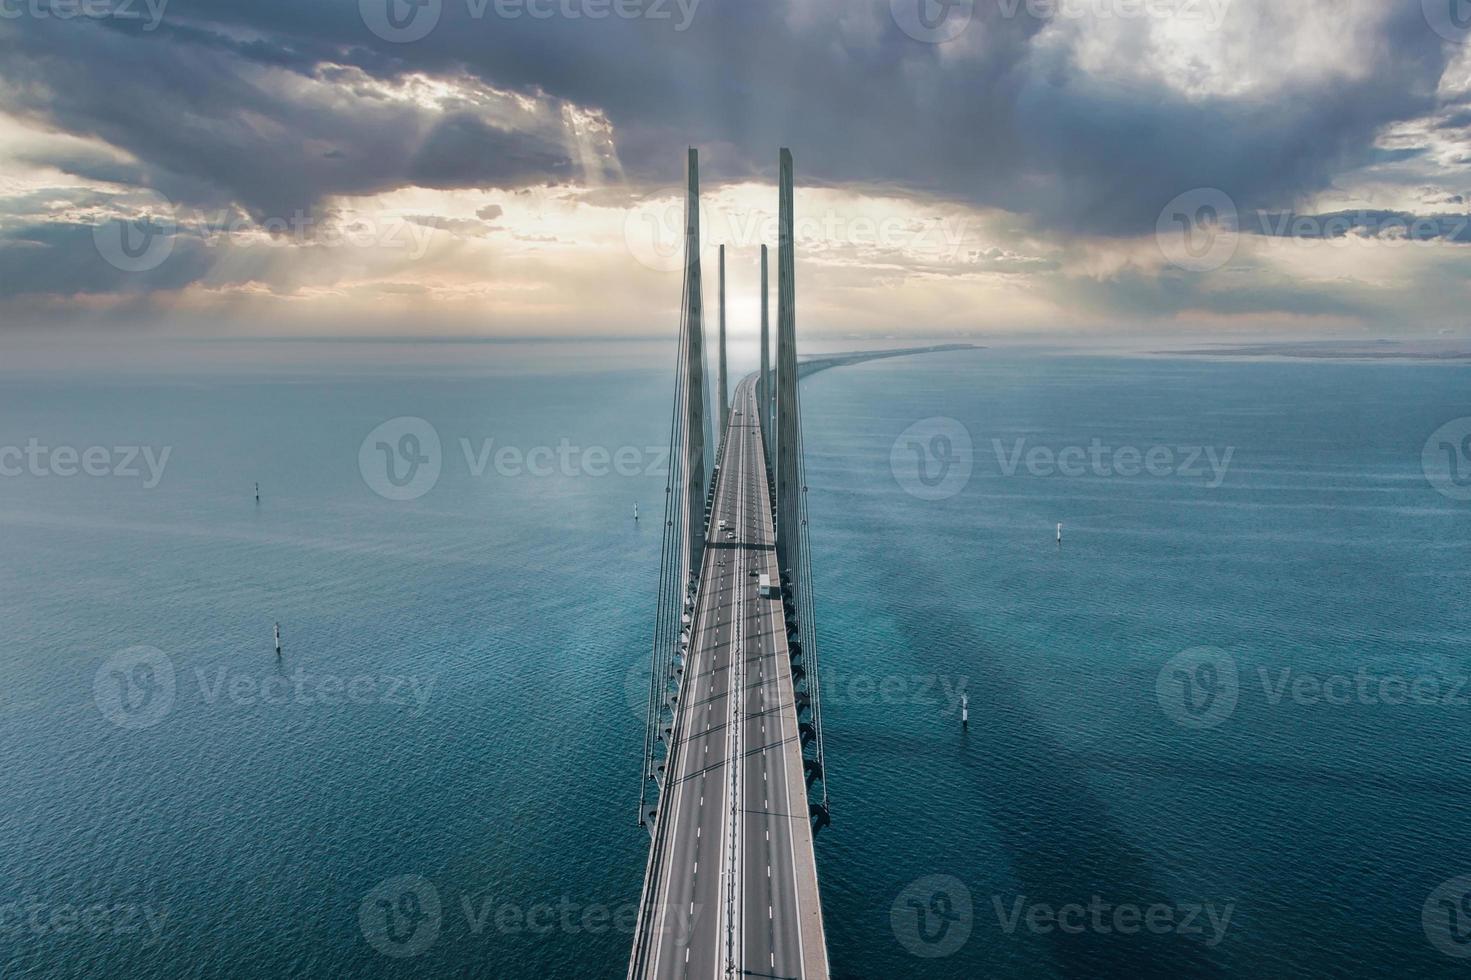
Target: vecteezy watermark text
32 916
406 21
1201 229
145 241
403 458
1201 688
1188 462
940 21
146 463
138 687
88 9
933 459
1103 918
653 231
401 917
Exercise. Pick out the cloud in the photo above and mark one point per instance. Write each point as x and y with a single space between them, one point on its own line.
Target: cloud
1079 128
463 227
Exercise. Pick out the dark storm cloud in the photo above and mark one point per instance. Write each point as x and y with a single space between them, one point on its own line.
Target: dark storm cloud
210 129
62 258
1134 296
1000 124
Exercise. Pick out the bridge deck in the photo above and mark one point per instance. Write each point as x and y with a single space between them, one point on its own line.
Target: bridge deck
737 716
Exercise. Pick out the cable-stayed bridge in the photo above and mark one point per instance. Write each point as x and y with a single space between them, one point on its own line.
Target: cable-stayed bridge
733 780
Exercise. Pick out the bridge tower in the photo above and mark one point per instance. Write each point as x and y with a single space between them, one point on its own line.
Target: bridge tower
723 416
787 545
696 421
686 510
793 554
763 386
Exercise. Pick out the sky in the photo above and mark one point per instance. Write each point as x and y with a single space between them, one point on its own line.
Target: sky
510 168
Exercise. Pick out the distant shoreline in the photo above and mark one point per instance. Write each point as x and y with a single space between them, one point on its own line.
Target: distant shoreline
822 362
1339 351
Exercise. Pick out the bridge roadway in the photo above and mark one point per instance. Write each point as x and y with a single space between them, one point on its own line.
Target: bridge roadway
704 851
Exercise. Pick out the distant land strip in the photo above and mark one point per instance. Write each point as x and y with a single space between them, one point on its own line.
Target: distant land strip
1340 350
822 362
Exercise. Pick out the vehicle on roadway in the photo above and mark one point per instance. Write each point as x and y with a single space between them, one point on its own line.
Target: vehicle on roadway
766 588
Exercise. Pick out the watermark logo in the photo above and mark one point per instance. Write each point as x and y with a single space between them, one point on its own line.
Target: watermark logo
1199 230
932 21
1451 19
134 688
400 21
401 917
933 917
401 459
142 243
653 229
1446 459
1446 917
933 458
1198 688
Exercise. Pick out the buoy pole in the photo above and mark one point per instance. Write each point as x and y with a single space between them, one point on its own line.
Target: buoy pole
257 493
1059 534
278 639
964 712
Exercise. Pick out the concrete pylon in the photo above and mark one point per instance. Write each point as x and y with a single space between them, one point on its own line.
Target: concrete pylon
787 488
763 386
695 419
722 392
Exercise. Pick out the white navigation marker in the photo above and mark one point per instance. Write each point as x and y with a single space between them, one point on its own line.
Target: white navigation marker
965 711
1059 534
278 639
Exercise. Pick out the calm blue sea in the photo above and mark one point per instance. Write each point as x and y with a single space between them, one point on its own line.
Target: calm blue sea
1192 703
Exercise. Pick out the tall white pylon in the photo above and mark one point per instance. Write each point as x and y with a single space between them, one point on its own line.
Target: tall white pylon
787 488
722 391
763 388
695 419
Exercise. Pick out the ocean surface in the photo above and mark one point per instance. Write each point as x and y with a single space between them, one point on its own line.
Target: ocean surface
1199 700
